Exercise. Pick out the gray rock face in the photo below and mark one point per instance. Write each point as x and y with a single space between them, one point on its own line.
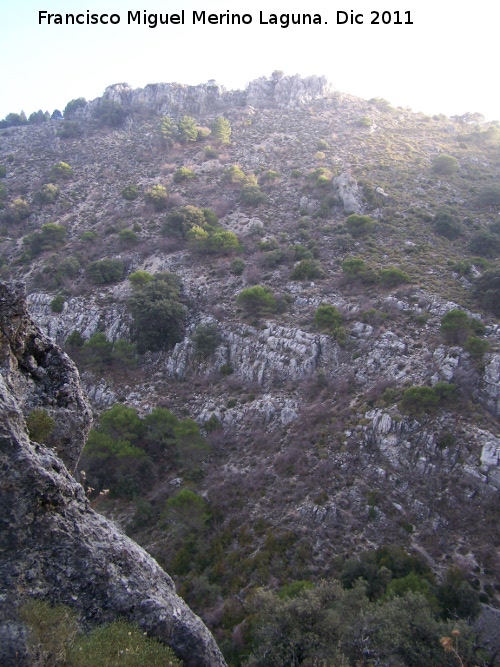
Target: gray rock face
349 193
174 99
40 375
53 546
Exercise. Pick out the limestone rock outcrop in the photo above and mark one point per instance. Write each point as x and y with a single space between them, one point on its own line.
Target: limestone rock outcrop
53 545
175 99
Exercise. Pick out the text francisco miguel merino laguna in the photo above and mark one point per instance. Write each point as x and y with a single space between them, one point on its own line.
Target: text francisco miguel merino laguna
142 17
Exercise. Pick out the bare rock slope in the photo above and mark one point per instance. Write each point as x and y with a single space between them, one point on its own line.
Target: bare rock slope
53 546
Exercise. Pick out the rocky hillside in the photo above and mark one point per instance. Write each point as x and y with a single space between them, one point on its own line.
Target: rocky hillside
328 273
53 545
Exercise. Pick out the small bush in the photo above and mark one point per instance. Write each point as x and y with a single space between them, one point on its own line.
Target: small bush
456 326
392 276
40 425
187 131
221 130
206 338
489 195
128 237
487 291
233 175
61 171
476 346
485 244
359 225
157 196
48 194
50 237
446 223
417 400
110 113
130 192
105 271
445 165
139 278
17 211
57 304
237 266
307 269
257 301
252 195
121 644
52 632
183 174
327 318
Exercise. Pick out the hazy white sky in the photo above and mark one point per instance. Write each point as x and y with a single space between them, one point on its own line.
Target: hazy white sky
446 62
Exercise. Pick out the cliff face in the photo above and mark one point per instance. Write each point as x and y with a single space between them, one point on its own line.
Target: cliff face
175 98
53 546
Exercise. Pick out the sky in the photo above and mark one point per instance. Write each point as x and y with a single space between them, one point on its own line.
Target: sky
447 61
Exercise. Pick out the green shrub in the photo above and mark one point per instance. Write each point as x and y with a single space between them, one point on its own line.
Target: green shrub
476 346
130 192
457 597
252 195
187 509
157 313
221 130
168 130
489 195
359 225
327 318
120 644
269 176
52 632
73 106
445 165
48 194
17 211
485 244
105 271
57 304
110 113
417 400
446 223
392 276
69 130
124 354
456 326
257 301
40 425
3 171
157 196
354 268
128 237
180 221
139 278
307 269
487 290
321 177
210 153
50 237
183 174
206 338
187 131
97 352
68 268
61 171
234 175
219 242
237 266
